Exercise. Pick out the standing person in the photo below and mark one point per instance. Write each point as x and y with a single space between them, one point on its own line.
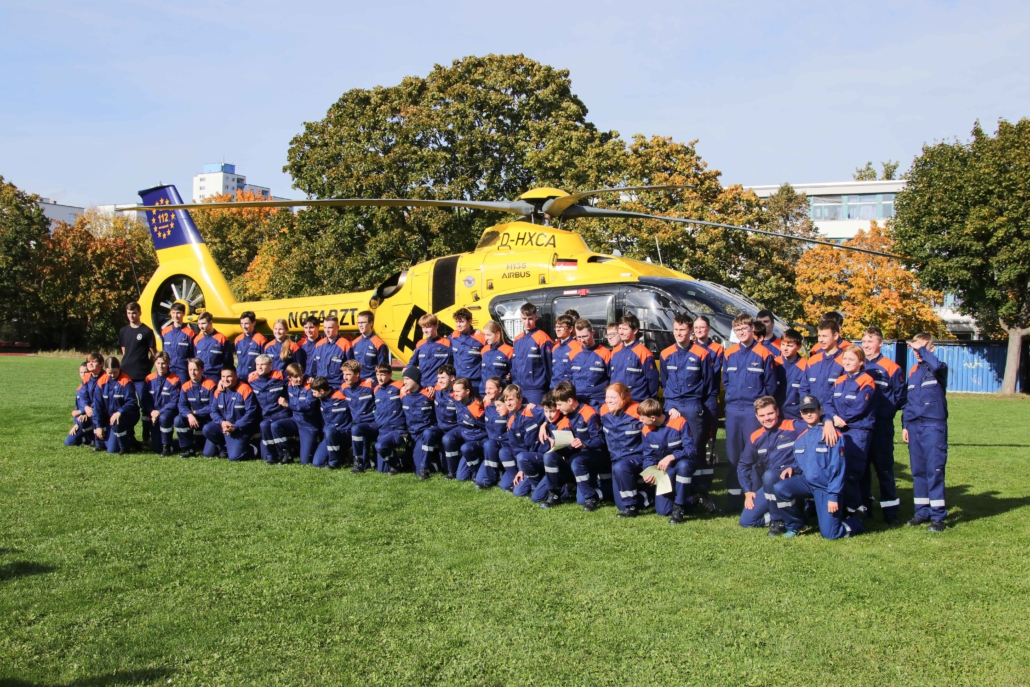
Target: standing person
368 349
234 418
611 335
116 409
311 339
331 353
747 375
269 388
669 446
160 402
361 403
565 348
633 364
853 413
389 417
249 345
824 367
336 427
686 376
791 370
304 420
702 337
194 408
833 316
769 338
770 451
177 341
820 476
890 396
495 356
531 358
924 423
282 350
138 346
81 433
623 434
590 366
213 348
432 351
467 348
419 419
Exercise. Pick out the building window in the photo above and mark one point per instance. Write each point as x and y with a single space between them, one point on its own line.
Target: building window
201 188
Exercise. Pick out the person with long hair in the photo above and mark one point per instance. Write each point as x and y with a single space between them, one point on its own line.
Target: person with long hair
283 350
624 431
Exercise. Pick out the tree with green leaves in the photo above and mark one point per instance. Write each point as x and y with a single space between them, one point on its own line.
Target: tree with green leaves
964 222
868 173
23 230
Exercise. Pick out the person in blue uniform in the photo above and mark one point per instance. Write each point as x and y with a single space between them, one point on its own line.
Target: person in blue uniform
633 364
160 403
212 347
432 351
177 341
768 337
564 349
81 433
234 417
445 408
586 455
853 415
116 409
389 416
819 476
669 446
747 375
924 423
496 356
331 352
791 370
498 467
524 423
368 349
248 345
623 432
304 421
269 388
419 420
702 337
336 423
283 350
824 367
467 348
531 357
312 337
590 366
891 395
471 417
686 375
361 403
769 452
194 408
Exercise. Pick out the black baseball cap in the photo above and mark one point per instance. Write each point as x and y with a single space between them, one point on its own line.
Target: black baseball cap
810 403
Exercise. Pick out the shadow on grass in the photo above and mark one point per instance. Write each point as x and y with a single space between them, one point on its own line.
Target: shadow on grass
965 506
119 677
12 571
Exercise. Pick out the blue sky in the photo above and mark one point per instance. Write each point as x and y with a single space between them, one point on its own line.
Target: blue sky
100 99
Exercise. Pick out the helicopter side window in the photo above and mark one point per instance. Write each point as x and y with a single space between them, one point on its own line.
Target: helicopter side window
599 309
654 310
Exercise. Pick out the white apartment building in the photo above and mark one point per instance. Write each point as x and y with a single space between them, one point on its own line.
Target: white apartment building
56 212
840 208
221 178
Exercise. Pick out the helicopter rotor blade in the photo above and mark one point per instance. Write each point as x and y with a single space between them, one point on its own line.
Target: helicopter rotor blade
515 207
556 207
587 211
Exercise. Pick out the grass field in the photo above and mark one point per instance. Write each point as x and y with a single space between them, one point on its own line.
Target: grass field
148 570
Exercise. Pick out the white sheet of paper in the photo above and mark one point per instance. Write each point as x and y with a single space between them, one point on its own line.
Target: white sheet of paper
562 439
663 483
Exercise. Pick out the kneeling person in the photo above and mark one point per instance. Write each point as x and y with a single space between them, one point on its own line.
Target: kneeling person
305 420
821 477
234 416
670 446
581 458
769 452
161 403
116 408
389 416
194 408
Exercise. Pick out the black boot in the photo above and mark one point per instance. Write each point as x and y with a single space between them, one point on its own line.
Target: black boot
776 528
188 453
357 469
591 504
552 499
629 512
678 516
166 450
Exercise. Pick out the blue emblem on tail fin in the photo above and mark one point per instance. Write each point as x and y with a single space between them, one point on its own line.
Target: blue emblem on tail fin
169 228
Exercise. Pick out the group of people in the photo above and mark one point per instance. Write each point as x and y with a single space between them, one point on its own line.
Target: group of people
553 420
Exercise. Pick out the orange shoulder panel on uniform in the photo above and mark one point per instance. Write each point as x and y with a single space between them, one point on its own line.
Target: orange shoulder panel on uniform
840 379
889 365
647 430
427 392
276 374
677 423
755 435
478 336
586 411
632 411
528 412
243 389
864 380
196 337
152 376
604 353
700 351
616 348
172 378
339 395
260 338
397 385
787 425
540 336
642 352
307 384
508 350
166 330
476 408
803 433
187 385
343 344
778 360
368 383
717 347
762 351
564 423
666 352
239 338
124 378
574 348
208 384
219 337
813 358
85 378
732 349
376 341
518 336
252 376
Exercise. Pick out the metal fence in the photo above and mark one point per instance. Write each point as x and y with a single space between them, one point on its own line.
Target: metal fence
976 367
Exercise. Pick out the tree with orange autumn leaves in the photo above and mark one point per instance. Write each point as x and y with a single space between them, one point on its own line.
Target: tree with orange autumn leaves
868 290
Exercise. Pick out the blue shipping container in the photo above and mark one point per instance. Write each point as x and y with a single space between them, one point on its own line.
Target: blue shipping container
973 367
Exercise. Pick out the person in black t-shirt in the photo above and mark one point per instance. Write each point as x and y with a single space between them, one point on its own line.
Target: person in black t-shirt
138 346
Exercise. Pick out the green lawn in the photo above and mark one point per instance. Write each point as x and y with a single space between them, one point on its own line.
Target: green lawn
148 570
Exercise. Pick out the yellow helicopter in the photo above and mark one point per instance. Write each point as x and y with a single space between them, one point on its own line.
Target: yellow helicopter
526 260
